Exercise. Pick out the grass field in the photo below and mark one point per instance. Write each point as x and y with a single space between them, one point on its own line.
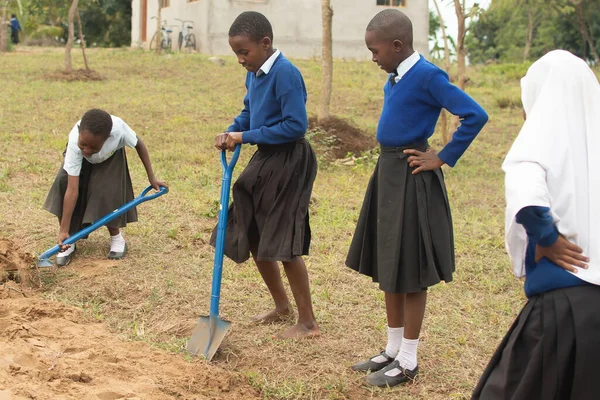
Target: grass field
178 104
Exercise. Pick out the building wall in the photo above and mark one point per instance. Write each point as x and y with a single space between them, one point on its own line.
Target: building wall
296 24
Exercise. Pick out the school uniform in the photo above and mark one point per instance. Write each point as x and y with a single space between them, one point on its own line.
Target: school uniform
15 28
552 349
269 215
104 180
403 238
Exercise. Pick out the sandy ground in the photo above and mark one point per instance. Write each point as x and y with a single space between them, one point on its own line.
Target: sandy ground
53 351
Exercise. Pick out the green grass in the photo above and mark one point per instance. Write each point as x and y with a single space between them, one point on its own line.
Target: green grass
177 103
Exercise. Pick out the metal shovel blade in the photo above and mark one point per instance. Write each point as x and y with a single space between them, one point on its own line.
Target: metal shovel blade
44 263
207 336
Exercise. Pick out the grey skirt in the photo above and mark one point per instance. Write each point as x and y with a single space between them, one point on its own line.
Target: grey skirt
269 214
403 238
551 352
103 188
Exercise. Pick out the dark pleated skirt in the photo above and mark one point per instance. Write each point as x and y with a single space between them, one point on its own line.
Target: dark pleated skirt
551 352
103 188
269 214
403 237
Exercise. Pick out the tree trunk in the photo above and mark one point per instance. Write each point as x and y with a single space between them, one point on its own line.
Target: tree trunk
69 46
87 68
158 30
461 54
3 28
445 37
444 115
529 36
583 28
327 73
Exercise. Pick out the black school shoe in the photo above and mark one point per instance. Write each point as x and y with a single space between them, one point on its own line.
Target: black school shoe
371 365
380 379
117 255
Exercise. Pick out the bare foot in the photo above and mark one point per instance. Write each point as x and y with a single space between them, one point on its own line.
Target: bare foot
274 316
300 331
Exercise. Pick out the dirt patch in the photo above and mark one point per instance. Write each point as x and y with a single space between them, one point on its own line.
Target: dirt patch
16 265
49 350
78 75
337 138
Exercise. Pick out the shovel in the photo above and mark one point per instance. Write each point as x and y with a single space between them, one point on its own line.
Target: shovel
210 331
44 258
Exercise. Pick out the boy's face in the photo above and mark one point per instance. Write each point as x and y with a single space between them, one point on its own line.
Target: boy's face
90 144
252 55
385 52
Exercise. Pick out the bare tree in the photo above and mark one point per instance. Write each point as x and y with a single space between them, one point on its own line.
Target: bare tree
461 54
87 68
3 28
158 30
71 35
327 73
584 30
444 114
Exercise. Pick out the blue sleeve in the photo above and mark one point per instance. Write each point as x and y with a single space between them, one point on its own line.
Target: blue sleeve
291 96
472 116
242 121
538 224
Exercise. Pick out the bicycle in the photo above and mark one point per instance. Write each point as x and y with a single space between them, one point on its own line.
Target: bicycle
189 38
166 43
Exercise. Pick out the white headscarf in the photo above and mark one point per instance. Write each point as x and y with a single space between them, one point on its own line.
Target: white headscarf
555 160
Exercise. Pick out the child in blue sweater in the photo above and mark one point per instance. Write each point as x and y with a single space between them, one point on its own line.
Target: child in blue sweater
269 215
15 28
404 237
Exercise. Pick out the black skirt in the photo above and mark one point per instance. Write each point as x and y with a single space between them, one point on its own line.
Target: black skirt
269 214
551 352
403 237
103 188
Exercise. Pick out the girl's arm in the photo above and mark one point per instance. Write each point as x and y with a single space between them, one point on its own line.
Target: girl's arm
69 202
142 151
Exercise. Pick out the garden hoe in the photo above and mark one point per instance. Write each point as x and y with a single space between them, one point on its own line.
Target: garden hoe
44 258
211 330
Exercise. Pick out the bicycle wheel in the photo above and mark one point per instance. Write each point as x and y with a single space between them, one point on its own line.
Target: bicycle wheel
153 41
169 46
180 41
190 42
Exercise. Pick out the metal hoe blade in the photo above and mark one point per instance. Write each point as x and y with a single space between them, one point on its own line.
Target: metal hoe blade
207 336
44 263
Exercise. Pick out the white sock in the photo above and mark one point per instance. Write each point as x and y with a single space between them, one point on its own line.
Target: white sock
394 343
407 357
117 243
67 252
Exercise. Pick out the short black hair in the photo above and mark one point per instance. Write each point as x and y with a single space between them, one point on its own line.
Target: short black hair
13 16
97 122
253 25
393 24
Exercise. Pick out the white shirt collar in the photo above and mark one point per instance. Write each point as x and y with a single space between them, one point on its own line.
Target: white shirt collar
406 65
266 67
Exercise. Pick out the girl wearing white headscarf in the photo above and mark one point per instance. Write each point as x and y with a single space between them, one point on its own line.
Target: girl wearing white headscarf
553 238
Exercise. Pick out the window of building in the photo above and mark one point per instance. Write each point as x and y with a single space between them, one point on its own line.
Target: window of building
392 3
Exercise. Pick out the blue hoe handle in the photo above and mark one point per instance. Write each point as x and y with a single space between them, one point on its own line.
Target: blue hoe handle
220 244
105 220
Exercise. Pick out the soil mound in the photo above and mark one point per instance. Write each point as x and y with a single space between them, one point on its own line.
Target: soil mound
337 138
15 264
50 350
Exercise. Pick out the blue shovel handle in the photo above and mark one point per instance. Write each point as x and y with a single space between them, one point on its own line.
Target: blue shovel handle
105 220
220 243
